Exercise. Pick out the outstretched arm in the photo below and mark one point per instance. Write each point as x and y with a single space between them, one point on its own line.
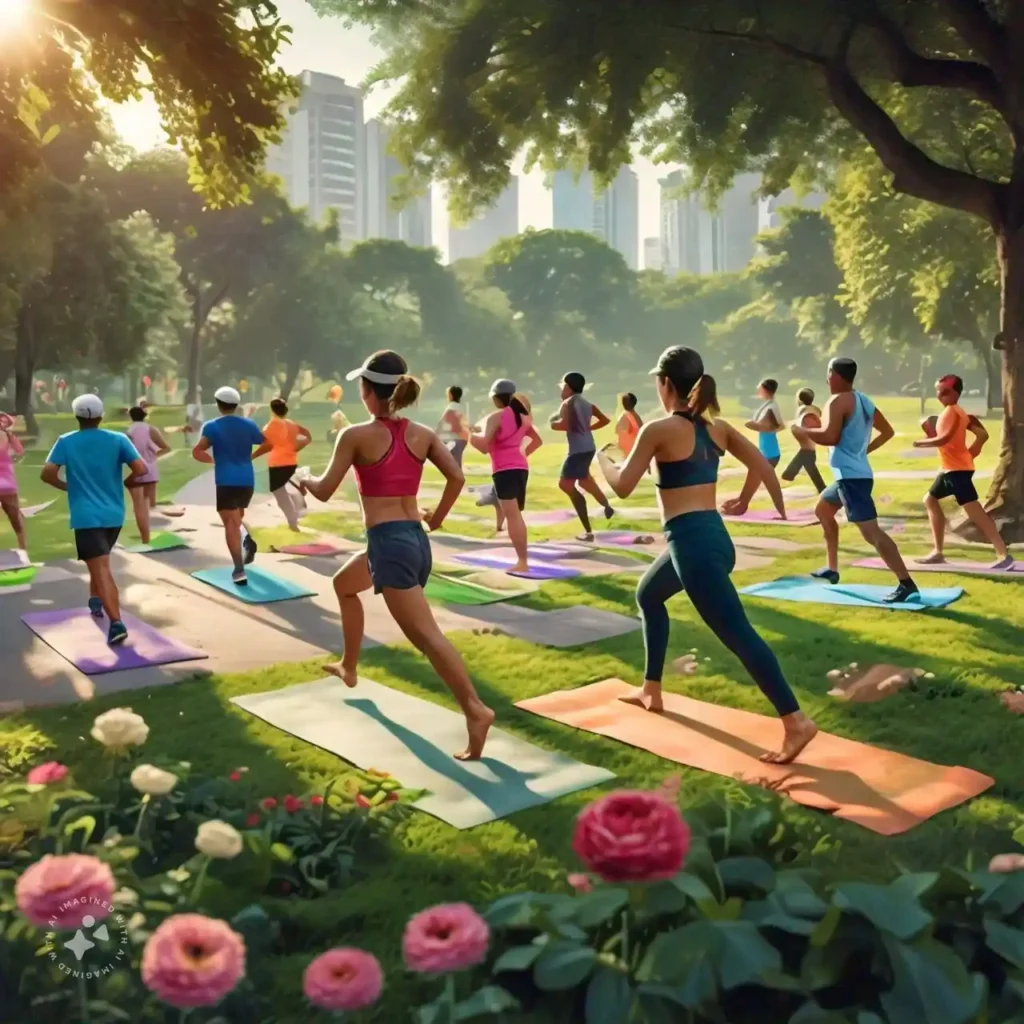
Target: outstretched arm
883 432
759 471
323 487
624 478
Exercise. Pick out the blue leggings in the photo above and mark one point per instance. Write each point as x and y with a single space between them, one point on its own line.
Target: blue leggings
699 559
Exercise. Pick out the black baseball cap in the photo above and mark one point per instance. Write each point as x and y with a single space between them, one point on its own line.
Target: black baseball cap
680 362
575 380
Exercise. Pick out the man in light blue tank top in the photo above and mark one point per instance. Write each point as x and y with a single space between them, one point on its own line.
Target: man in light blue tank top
849 422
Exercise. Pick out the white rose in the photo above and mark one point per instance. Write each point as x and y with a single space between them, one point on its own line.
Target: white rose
218 839
119 728
155 781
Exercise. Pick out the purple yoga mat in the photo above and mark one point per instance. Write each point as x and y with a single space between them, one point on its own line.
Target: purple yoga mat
963 568
13 560
75 635
504 560
797 517
549 517
624 538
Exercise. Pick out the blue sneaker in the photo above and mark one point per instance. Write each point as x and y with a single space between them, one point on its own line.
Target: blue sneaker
118 633
96 607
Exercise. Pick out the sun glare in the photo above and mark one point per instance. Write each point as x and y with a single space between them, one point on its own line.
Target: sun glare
13 12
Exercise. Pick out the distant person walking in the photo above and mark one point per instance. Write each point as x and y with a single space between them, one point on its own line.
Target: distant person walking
11 448
150 445
808 416
92 460
283 440
453 427
629 424
767 421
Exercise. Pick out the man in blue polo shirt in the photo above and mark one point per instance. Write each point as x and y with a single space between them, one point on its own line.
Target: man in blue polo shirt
227 442
92 460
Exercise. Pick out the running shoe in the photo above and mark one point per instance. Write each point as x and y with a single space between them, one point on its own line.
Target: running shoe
118 633
239 578
249 546
906 590
96 607
608 511
1004 564
828 575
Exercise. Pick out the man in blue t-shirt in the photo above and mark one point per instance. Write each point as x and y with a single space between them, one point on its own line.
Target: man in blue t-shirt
227 442
93 478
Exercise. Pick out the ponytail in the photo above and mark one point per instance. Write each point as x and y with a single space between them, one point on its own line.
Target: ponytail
703 398
406 393
519 404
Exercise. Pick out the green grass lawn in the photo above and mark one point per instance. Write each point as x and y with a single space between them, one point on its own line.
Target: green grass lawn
973 648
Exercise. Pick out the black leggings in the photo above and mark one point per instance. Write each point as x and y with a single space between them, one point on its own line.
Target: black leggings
699 558
806 459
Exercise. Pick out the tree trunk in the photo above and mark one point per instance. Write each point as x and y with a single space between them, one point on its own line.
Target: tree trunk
195 347
291 374
25 370
993 379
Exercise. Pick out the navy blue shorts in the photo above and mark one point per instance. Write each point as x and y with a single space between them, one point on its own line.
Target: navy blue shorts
399 555
95 541
957 483
854 496
577 466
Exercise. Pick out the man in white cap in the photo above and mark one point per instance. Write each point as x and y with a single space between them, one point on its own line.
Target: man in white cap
92 459
227 442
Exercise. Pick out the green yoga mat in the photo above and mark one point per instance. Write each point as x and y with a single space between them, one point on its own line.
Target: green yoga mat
450 590
374 726
18 577
157 542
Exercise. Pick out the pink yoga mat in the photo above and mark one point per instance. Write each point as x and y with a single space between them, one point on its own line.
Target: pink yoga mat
504 560
625 538
75 635
325 550
797 517
956 568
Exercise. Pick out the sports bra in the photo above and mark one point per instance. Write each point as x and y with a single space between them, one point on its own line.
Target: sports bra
398 473
701 467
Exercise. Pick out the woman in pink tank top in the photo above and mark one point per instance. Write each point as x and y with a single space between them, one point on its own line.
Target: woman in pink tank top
387 455
503 436
150 445
10 449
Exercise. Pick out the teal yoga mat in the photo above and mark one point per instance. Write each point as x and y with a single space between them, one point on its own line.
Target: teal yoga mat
374 726
855 595
263 588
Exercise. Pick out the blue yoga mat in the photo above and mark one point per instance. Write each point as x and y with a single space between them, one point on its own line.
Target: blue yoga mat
857 595
263 588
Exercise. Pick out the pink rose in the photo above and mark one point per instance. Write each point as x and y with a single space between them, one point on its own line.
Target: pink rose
47 773
58 893
448 937
581 883
632 837
192 960
343 979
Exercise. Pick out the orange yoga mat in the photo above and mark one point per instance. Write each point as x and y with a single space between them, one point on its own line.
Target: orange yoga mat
882 790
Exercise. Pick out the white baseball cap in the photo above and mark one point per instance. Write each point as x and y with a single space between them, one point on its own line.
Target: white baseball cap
87 407
229 396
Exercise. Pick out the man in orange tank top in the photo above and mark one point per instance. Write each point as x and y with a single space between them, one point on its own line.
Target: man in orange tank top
956 480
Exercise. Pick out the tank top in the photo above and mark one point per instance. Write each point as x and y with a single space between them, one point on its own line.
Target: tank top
849 458
700 467
507 446
628 434
398 473
580 436
9 447
954 455
141 436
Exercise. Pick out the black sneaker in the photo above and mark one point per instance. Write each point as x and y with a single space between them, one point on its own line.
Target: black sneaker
249 547
828 575
239 578
905 591
608 511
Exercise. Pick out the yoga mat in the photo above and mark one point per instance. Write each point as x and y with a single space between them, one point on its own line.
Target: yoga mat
373 726
34 510
10 578
566 627
157 542
1015 572
506 559
857 595
797 517
263 588
549 517
313 549
625 538
882 790
75 635
455 591
13 559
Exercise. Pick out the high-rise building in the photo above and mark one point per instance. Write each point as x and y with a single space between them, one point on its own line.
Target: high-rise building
768 209
501 220
696 240
321 158
413 222
653 258
613 215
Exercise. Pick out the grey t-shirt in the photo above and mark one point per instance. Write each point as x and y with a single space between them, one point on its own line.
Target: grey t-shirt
580 436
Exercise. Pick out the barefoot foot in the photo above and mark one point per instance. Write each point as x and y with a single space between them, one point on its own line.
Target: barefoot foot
798 735
349 676
646 697
933 558
478 725
520 568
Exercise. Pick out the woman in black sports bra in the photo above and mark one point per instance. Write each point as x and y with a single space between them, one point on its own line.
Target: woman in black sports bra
685 448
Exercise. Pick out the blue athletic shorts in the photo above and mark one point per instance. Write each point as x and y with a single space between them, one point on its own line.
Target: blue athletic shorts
854 496
399 555
577 466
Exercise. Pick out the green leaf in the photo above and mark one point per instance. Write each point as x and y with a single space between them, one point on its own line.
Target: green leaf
563 965
282 853
599 906
692 886
518 958
736 950
1003 891
1006 941
488 1000
255 926
916 885
609 997
888 908
747 872
86 824
930 985
514 910
50 134
812 1013
745 954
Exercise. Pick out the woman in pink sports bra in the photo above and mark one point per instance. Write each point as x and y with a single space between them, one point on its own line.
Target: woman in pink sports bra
387 456
10 449
502 436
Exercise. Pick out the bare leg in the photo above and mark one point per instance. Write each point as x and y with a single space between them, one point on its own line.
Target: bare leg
590 485
232 520
983 521
349 582
826 514
12 507
579 503
287 506
516 533
414 617
151 495
937 519
886 548
499 518
140 506
102 585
